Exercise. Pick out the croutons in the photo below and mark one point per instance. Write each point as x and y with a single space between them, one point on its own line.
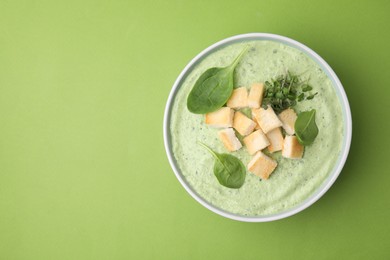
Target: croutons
292 148
262 165
229 139
288 118
267 119
238 99
275 137
223 117
256 141
255 96
243 124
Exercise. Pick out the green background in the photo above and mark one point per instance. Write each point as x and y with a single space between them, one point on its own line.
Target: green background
83 171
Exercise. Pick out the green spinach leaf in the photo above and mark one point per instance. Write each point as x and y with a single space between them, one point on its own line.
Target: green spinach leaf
228 169
213 88
306 128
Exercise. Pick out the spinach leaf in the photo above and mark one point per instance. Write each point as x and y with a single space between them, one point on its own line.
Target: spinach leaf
213 88
306 128
228 169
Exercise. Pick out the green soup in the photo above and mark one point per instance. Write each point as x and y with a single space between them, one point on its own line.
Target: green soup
293 180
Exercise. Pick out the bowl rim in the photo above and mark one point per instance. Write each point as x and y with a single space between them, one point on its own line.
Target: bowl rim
327 183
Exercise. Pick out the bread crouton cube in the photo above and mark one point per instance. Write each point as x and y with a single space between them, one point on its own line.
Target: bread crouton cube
257 127
255 96
275 137
292 148
267 119
256 141
262 165
223 117
229 139
238 99
243 124
288 118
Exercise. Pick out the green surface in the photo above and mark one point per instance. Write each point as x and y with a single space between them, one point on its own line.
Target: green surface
83 171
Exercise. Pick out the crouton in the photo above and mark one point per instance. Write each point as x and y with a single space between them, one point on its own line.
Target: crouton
262 165
288 118
243 124
223 117
267 119
292 148
275 137
238 99
256 141
255 96
229 139
257 127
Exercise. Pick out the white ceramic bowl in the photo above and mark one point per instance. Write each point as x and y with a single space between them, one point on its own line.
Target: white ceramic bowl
346 120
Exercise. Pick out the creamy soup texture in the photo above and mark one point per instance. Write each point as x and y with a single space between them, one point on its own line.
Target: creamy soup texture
293 181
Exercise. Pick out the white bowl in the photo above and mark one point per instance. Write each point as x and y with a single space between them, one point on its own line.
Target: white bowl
345 110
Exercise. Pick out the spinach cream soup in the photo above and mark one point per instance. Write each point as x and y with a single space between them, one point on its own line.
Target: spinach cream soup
293 180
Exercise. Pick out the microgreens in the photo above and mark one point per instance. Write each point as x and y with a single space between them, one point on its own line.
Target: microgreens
285 91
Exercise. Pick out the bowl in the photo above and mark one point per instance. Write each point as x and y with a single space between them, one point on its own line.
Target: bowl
346 115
